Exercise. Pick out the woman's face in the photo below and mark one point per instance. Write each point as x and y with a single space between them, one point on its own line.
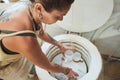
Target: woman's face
54 16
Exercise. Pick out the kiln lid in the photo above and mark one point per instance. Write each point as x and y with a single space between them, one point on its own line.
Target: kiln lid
87 15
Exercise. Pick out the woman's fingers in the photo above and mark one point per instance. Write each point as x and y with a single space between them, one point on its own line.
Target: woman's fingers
72 74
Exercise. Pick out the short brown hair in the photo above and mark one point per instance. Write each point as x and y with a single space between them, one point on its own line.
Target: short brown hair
50 5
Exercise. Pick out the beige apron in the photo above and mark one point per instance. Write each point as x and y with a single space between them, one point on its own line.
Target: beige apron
15 66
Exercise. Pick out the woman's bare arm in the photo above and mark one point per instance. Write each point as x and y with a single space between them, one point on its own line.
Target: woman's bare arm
29 47
46 37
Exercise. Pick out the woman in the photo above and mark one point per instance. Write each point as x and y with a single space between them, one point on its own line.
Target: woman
19 27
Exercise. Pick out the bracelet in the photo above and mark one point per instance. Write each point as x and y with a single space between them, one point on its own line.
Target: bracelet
67 70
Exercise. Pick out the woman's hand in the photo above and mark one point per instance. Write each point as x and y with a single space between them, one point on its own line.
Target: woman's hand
63 48
72 75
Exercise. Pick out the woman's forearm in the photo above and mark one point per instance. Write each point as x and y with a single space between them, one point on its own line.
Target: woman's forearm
60 69
46 37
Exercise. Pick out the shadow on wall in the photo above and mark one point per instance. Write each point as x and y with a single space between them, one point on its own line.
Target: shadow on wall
109 46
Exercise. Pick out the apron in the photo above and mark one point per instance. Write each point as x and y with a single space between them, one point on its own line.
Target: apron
14 66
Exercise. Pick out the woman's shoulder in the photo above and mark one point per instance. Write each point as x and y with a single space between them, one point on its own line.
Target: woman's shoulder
13 9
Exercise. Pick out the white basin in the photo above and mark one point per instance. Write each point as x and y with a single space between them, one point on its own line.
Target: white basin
89 53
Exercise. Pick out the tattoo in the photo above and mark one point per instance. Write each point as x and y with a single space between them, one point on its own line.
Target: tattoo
2 12
7 13
5 17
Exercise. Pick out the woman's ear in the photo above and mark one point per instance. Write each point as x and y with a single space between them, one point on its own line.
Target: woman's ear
40 10
39 7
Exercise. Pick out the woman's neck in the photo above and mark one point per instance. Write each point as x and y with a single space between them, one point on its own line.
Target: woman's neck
36 23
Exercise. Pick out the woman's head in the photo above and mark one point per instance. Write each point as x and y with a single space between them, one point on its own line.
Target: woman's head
50 5
49 11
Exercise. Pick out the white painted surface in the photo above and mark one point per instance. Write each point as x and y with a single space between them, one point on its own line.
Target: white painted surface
87 15
93 57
